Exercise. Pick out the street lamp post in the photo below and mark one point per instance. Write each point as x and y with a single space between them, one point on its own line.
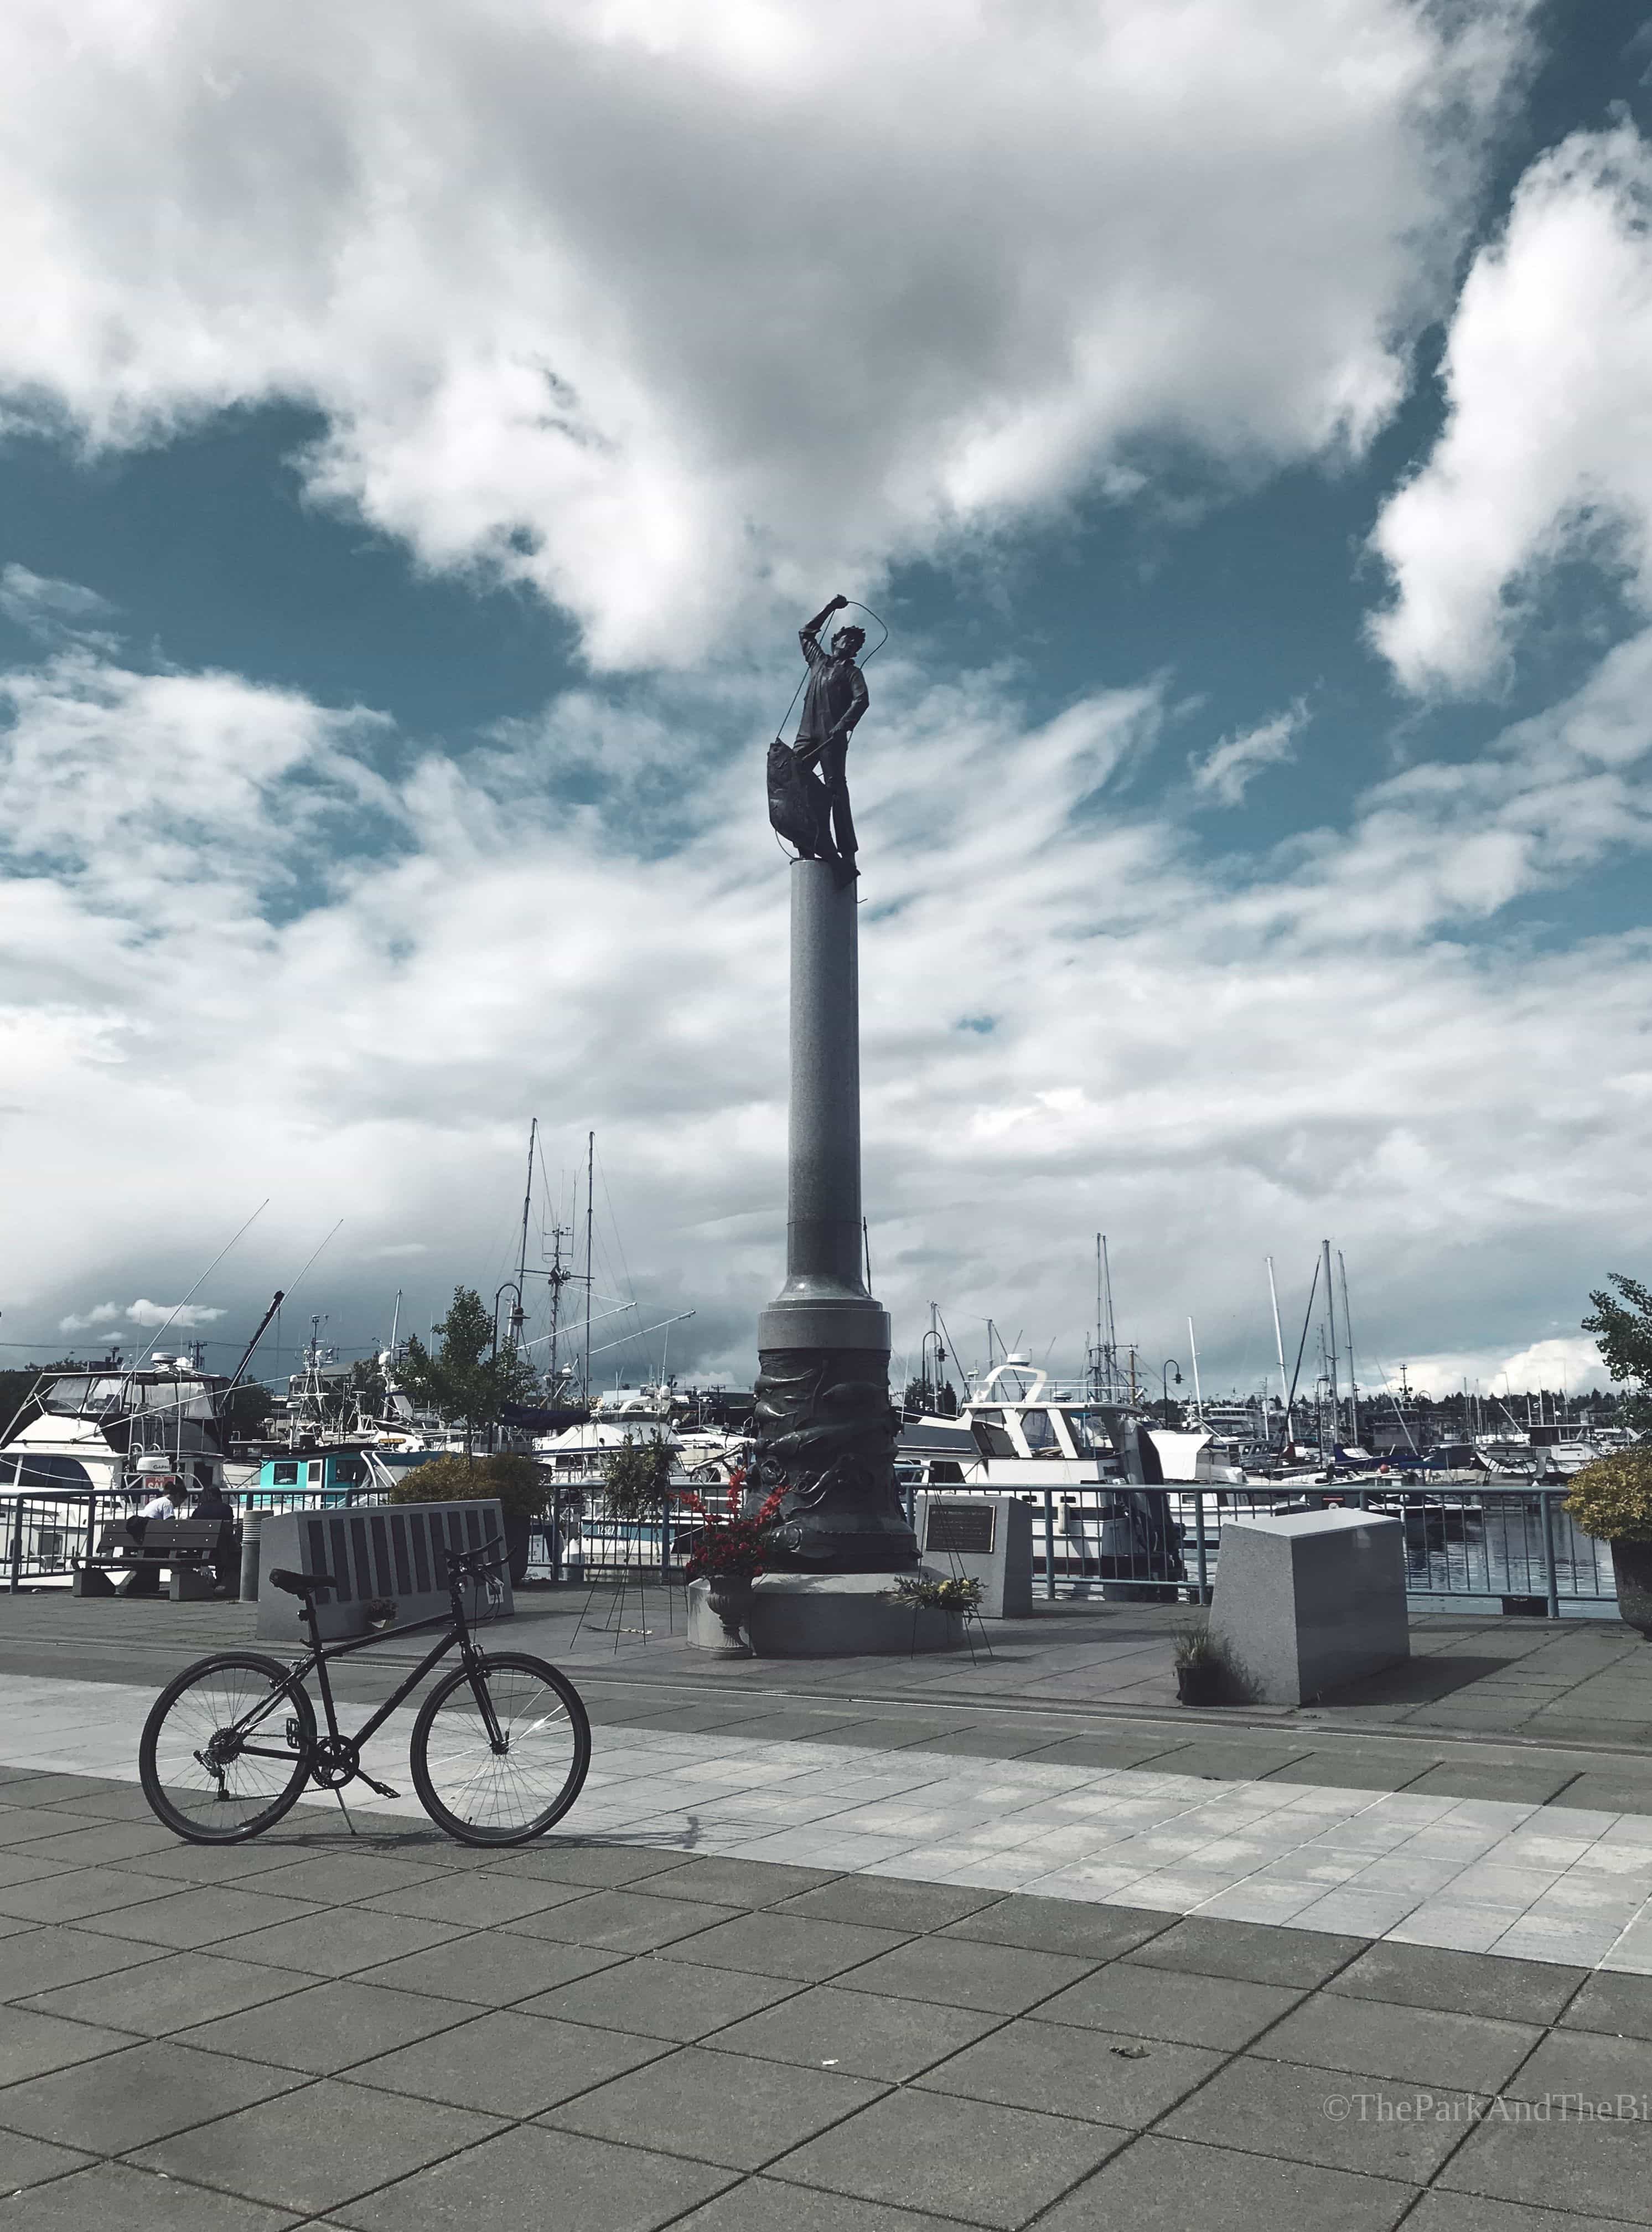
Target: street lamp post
1170 1364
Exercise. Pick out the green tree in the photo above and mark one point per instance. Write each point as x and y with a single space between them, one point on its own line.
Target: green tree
462 1379
1621 1324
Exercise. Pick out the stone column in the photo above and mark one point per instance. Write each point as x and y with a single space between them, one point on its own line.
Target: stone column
825 1427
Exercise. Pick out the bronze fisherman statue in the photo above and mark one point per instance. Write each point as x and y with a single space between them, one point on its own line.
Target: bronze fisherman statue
811 810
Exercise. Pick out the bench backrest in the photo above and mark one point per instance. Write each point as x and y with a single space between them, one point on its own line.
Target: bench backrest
164 1539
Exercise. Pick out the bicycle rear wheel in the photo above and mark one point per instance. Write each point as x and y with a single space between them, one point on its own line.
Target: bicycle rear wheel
226 1748
484 1796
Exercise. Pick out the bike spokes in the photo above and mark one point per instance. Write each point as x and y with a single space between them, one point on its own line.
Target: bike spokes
225 1749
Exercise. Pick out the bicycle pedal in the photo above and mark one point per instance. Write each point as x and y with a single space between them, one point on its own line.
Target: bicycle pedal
382 1789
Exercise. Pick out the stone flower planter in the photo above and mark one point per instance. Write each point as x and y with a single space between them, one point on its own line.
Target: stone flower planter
1632 1569
1199 1683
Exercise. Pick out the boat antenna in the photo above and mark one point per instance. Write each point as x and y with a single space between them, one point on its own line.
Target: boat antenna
179 1307
518 1315
264 1326
590 1212
1348 1335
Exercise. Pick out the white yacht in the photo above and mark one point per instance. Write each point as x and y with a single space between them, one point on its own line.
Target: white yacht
85 1426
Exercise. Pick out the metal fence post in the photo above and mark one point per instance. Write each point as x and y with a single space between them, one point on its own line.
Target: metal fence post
1049 1543
1198 1540
1551 1576
92 1525
16 1546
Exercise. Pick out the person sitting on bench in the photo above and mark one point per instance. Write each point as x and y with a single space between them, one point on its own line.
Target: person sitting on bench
212 1503
164 1495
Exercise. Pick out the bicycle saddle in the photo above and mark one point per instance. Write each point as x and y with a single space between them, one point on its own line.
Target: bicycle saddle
300 1585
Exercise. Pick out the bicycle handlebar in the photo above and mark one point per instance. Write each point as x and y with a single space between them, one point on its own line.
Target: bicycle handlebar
474 1562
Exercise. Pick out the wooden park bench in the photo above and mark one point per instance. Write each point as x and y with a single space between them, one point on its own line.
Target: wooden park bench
141 1549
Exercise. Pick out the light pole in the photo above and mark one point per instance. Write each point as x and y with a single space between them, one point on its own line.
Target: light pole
1170 1364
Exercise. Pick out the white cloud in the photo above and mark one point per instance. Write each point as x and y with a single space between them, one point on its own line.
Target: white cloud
183 1316
1209 1064
54 611
100 1313
1231 765
663 312
1547 450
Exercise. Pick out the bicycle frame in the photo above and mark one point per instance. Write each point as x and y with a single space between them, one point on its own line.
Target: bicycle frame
456 1629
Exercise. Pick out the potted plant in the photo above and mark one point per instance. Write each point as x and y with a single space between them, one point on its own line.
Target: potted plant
1201 1667
728 1550
515 1481
1611 1500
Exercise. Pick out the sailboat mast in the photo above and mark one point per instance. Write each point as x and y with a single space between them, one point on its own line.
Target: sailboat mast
1278 1344
1348 1336
1331 1347
518 1314
1198 1400
590 1214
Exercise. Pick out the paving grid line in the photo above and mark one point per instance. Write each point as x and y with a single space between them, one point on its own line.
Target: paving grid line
844 1980
1375 1864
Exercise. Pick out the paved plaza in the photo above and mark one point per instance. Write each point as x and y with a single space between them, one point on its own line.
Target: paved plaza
862 1947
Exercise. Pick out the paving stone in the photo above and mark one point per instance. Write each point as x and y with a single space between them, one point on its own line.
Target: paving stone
73 1894
889 1903
1354 1769
507 2064
1418 2045
34 1960
655 1998
533 2176
987 2165
1462 1983
741 1883
27 1789
489 1969
87 1843
30 2162
311 2149
137 2201
1279 2108
220 1864
1086 1929
336 1941
1249 1952
1099 2076
997 1740
144 2093
1146 2003
204 1918
596 1866
26 1824
471 1900
1111 1751
867 2035
758 2205
1611 2002
787 1946
172 1993
1597 2168
1230 1760
16 1866
1478 2212
324 2028
1522 1785
1607 1793
621 1921
996 1979
1168 2185
1587 2062
669 2103
339 1879
31 2043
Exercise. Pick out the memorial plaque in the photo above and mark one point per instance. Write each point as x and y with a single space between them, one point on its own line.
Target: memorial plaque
969 1529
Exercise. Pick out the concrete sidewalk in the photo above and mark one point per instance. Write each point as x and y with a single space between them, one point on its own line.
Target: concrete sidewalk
400 2035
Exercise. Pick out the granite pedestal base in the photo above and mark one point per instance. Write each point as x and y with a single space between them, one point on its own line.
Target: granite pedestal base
826 1616
1310 1600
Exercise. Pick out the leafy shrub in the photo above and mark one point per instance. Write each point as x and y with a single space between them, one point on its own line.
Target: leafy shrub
636 1477
515 1481
1612 1498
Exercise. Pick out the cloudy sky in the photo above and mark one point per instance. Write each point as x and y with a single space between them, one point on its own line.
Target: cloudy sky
422 429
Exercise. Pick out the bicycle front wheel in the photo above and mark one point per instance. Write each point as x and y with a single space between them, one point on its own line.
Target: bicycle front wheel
487 1794
226 1748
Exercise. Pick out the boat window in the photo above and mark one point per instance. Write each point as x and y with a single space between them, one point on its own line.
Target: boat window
990 1439
283 1475
349 1472
48 1471
1040 1434
315 1471
943 1473
66 1396
1089 1432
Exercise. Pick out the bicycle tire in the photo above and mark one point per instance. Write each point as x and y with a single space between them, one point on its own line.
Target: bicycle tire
467 1769
170 1768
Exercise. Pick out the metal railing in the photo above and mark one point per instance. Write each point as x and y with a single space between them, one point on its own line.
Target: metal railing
43 1531
1516 1547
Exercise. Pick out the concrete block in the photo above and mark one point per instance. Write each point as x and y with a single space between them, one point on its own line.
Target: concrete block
1310 1600
982 1538
375 1550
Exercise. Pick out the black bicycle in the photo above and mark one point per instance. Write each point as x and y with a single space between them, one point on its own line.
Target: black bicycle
499 1752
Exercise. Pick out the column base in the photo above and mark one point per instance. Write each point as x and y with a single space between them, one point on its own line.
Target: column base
824 1616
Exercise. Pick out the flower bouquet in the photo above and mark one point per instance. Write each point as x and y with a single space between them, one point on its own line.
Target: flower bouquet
727 1549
